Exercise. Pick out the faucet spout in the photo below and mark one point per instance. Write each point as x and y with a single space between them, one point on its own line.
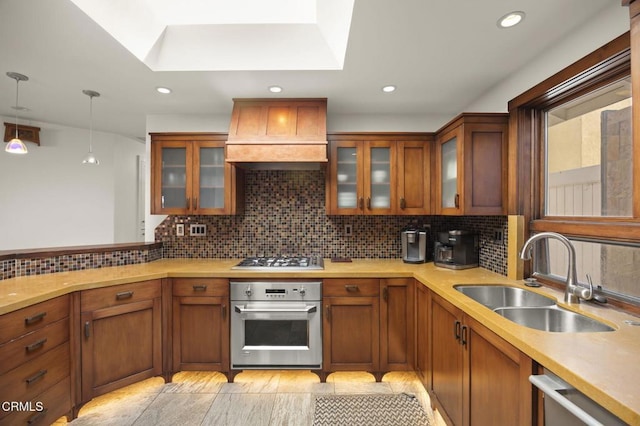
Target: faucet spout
573 292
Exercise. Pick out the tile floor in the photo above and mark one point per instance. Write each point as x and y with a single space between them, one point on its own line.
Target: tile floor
255 398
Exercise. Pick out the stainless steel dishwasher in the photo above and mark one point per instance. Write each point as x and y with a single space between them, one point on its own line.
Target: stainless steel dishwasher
564 405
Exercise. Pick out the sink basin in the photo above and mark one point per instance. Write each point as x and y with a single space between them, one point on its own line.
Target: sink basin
498 296
552 318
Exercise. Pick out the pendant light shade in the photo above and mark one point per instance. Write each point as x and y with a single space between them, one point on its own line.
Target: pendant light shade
90 158
15 145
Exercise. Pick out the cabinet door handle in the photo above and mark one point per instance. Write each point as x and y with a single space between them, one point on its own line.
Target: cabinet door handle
39 375
457 201
456 329
369 203
195 203
162 201
328 312
361 203
403 203
35 318
463 339
385 293
199 287
188 205
35 345
37 417
124 295
351 288
224 311
87 329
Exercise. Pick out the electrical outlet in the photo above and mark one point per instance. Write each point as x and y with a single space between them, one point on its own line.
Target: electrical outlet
498 236
197 230
348 230
180 229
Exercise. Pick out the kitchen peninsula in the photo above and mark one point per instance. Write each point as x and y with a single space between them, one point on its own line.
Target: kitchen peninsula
572 356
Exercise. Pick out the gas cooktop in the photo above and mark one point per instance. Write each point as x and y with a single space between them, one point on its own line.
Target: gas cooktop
281 263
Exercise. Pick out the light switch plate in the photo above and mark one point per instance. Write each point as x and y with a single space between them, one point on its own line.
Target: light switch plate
197 230
180 229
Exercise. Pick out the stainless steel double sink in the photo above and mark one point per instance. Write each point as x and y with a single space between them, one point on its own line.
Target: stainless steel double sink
530 309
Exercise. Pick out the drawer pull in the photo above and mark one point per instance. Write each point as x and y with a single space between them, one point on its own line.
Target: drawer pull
199 287
124 295
37 417
351 288
35 318
39 375
36 345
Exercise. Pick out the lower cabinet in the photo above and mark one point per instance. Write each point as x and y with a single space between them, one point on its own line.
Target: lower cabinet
121 336
200 324
35 363
477 377
368 325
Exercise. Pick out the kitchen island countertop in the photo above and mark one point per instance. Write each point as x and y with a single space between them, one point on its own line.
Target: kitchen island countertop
602 365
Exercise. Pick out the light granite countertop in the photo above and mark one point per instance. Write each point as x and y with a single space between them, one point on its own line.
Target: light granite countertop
604 366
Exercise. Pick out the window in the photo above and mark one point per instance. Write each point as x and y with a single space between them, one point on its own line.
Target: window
575 172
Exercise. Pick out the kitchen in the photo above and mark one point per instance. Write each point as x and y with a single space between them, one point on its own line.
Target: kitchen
330 229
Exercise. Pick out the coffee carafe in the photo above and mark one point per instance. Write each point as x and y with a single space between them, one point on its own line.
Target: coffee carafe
414 244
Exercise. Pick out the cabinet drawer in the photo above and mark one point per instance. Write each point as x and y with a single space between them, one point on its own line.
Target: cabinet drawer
54 403
26 320
350 287
91 300
32 345
34 377
200 287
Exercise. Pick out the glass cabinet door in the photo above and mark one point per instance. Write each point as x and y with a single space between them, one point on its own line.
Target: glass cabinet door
380 179
174 178
211 183
449 173
347 177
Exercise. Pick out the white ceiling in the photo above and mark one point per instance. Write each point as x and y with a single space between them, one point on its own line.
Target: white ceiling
442 55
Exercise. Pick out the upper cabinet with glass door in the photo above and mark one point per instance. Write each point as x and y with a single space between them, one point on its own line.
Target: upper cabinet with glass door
370 174
471 165
190 176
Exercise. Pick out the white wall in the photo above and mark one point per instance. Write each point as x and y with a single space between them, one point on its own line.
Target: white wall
612 22
48 198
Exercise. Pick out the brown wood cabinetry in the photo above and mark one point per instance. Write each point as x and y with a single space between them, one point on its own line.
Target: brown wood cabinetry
351 325
368 325
121 336
189 175
477 377
200 324
471 165
423 331
36 364
397 340
379 174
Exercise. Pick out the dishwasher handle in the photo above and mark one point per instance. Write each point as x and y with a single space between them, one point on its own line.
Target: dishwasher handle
551 387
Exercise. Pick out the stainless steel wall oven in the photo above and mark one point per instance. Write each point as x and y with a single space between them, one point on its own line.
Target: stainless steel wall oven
276 324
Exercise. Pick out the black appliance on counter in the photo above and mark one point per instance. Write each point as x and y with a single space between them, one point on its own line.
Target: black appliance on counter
414 244
456 249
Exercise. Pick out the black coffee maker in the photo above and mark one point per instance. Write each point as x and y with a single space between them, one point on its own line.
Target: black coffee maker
456 249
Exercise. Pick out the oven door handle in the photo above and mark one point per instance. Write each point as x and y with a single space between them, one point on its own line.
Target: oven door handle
306 310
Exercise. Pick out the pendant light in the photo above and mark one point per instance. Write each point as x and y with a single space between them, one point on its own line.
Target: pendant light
90 158
15 145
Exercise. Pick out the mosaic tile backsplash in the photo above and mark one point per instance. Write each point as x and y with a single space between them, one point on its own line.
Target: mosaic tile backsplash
285 214
76 262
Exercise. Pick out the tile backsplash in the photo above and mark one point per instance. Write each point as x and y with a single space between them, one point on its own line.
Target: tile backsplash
285 214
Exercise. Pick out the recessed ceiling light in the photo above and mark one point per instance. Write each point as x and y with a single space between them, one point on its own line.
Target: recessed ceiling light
388 89
510 19
275 89
163 90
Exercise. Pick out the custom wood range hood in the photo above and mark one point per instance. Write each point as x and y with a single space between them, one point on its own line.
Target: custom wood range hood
278 134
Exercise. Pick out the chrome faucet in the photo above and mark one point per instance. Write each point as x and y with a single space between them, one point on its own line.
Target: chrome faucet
573 292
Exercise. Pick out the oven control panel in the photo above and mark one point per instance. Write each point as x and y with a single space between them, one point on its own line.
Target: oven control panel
274 290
